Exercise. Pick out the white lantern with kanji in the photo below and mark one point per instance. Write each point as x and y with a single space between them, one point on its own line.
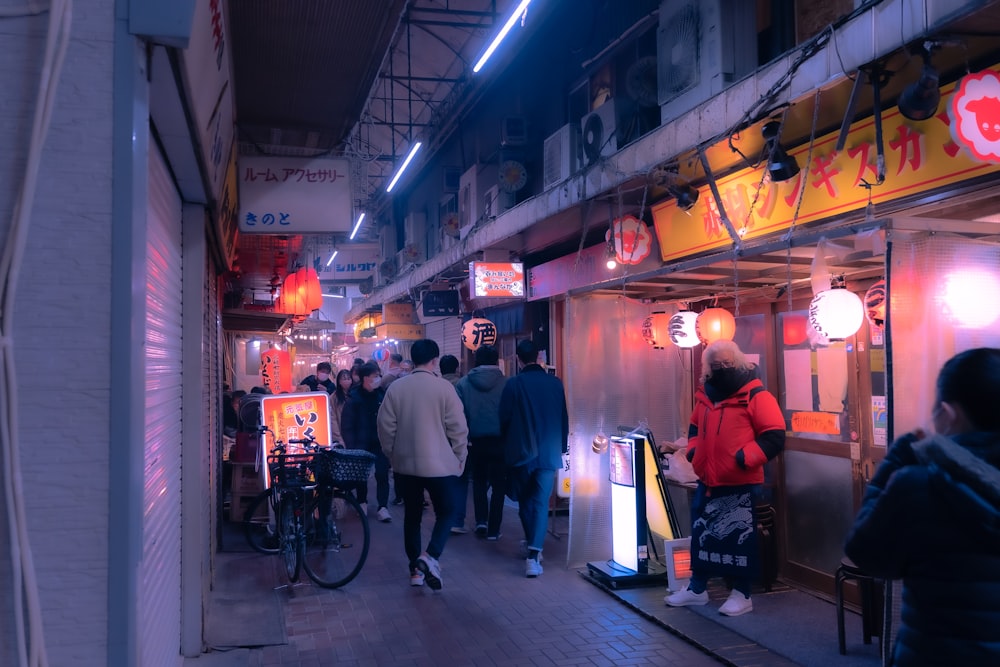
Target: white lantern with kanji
477 332
682 329
836 313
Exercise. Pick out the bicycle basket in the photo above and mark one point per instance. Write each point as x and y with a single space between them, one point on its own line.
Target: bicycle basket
341 466
290 469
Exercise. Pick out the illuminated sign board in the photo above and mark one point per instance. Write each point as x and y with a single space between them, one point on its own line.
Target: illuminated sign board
497 279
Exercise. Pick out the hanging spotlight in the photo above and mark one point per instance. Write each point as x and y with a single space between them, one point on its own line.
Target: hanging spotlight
612 262
920 100
686 195
780 165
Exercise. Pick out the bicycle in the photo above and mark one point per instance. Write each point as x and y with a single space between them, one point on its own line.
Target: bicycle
312 520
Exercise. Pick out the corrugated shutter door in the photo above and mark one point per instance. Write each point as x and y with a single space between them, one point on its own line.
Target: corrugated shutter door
447 333
159 603
212 391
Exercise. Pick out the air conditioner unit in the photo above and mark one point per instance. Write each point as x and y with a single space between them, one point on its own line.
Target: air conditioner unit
513 131
702 47
415 235
599 130
468 197
496 201
560 155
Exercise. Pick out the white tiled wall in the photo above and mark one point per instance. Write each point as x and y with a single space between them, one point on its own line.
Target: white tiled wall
61 329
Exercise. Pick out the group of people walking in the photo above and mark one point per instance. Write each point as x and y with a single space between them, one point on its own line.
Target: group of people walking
437 430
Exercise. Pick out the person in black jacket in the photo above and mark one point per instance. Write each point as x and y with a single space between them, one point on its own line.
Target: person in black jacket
358 425
931 517
534 424
321 380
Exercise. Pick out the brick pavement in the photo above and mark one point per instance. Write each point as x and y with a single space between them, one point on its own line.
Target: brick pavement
488 613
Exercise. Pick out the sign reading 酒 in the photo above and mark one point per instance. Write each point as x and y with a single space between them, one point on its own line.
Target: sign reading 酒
286 195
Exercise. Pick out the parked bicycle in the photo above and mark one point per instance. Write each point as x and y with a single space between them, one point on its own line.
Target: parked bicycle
308 514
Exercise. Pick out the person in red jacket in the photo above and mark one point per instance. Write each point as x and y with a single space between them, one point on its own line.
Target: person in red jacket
736 427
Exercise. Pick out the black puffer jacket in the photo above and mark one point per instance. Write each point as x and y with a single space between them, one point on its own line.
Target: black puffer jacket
931 517
359 420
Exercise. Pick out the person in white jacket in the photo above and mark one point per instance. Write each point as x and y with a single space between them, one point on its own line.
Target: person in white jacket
423 431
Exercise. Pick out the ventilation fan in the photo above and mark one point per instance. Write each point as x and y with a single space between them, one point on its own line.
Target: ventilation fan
513 176
452 225
679 51
410 252
599 133
641 82
387 269
367 286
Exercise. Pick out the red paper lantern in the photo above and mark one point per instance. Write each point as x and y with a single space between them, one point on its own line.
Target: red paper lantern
309 289
715 324
477 332
794 329
292 300
656 330
875 304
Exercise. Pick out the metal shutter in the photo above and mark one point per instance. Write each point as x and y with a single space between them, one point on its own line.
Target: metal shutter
160 569
447 333
212 392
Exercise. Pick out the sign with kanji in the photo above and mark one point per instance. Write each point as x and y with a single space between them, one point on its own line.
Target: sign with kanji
919 156
276 370
297 417
289 195
497 279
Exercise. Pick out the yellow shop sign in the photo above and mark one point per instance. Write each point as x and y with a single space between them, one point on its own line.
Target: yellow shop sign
919 156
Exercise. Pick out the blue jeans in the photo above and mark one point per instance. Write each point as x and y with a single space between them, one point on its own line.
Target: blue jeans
533 506
442 493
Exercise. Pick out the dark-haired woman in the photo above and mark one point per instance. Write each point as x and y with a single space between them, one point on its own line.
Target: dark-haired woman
338 398
931 517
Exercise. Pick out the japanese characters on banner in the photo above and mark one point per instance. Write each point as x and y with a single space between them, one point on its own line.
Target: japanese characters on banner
960 142
290 195
276 370
296 417
356 262
497 279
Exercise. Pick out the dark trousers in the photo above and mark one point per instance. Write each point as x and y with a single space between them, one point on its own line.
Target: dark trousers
381 482
488 472
462 492
442 493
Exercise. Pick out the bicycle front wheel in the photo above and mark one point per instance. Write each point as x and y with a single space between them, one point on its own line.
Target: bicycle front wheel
289 538
259 525
337 539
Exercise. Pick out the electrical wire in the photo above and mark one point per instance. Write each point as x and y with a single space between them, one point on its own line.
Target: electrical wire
30 639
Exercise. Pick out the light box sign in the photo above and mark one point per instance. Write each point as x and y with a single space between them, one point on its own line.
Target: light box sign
286 195
351 263
497 279
297 417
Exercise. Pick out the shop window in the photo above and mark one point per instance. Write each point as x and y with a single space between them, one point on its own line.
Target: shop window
814 382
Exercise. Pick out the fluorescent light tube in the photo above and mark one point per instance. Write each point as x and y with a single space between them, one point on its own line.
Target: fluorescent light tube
402 167
500 35
335 296
357 226
334 255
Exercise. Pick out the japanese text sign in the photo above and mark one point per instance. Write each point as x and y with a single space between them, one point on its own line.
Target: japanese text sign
284 195
497 279
918 156
296 417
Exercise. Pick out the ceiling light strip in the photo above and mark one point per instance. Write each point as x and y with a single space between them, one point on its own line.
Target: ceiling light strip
402 167
500 35
357 226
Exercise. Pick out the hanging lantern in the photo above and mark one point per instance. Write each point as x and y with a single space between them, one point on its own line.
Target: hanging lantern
477 332
600 443
291 301
656 330
309 288
682 329
836 313
715 324
380 354
794 329
875 304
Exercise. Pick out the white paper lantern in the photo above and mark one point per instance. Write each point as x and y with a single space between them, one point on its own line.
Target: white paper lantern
683 330
836 314
971 297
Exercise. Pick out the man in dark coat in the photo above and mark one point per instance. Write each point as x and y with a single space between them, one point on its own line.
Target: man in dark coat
534 424
321 380
931 517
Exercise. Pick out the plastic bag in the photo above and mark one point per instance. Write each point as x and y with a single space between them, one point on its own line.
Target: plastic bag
679 469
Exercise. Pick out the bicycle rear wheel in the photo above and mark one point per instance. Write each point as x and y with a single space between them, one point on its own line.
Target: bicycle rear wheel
337 539
259 524
289 538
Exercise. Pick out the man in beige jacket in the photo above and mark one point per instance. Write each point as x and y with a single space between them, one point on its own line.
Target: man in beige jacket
426 413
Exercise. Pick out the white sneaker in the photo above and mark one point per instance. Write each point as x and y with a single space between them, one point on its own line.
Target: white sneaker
532 568
383 515
416 578
736 605
431 569
687 598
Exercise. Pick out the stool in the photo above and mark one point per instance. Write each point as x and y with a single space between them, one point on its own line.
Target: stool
866 586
